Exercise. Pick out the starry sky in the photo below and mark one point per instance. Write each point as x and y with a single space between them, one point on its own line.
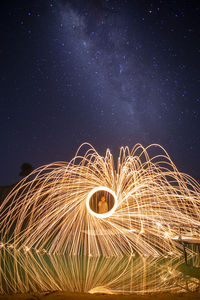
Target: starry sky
108 72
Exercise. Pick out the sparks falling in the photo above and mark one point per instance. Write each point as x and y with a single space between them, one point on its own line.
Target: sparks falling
50 209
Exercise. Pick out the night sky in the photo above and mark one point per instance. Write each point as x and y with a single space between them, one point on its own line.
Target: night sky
111 73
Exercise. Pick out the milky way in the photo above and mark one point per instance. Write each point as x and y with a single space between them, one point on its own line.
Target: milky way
108 72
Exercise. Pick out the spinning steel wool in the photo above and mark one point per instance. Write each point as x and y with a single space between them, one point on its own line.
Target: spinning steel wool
145 200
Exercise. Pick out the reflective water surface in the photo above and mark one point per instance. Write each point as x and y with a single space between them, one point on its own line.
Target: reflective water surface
30 271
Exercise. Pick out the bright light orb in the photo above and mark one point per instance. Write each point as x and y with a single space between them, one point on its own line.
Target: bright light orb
99 215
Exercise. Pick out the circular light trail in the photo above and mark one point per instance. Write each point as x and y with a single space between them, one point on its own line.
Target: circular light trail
148 202
111 211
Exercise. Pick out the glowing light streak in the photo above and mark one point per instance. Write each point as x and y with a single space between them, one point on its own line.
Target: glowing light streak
111 211
50 209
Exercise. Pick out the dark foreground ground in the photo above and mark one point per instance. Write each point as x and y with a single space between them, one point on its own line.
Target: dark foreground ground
73 296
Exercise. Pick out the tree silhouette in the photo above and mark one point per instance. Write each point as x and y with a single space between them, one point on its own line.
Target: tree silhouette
26 169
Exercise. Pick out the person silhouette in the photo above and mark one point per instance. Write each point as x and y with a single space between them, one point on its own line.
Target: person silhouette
103 205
